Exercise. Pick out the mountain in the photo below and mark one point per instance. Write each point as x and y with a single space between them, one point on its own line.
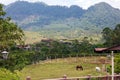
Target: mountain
61 21
102 15
25 9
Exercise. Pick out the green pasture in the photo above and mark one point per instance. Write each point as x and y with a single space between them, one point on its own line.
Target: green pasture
32 37
58 67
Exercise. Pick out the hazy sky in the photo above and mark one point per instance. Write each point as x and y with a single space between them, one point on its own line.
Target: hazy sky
82 3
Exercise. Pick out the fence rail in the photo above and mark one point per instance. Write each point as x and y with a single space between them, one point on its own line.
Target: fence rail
107 77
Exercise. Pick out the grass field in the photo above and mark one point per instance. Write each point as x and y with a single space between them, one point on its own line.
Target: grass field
59 67
32 37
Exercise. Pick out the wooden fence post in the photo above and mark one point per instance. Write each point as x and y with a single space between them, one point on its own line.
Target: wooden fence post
118 77
107 77
89 77
64 77
28 78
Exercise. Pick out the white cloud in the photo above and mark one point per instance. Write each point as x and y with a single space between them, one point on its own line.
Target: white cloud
7 1
83 3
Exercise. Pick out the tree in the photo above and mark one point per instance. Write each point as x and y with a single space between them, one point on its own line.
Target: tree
76 46
85 46
10 33
111 37
106 33
116 34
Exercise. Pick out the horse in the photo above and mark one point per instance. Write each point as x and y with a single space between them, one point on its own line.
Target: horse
79 67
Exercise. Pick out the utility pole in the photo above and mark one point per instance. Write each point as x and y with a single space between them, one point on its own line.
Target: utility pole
112 55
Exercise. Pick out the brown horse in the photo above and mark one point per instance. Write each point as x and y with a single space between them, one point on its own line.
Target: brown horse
79 67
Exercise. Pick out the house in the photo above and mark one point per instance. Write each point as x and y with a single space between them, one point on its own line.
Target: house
115 49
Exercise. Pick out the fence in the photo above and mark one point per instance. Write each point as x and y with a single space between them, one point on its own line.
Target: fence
56 56
94 60
107 77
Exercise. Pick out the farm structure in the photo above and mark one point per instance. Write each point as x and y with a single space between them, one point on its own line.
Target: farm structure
115 49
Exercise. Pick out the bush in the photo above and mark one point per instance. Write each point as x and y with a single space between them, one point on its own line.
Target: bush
7 75
117 64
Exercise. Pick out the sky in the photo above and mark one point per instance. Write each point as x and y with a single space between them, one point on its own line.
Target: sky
82 3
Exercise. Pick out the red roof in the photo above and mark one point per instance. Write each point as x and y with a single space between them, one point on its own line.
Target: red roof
117 47
113 48
100 49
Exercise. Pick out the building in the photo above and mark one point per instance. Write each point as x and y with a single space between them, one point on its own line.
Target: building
115 49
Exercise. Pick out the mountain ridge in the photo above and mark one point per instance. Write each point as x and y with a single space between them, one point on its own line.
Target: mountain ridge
52 21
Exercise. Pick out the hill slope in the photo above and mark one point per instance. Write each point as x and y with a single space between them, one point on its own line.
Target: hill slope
61 21
102 15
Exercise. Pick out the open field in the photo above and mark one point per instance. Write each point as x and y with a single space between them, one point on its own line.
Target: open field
58 67
32 37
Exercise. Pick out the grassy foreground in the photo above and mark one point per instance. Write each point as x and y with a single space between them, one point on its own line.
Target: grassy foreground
59 67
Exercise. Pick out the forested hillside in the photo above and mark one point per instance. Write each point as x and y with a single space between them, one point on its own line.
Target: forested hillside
62 21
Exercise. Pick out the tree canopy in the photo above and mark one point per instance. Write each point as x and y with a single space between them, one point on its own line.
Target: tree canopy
10 33
111 36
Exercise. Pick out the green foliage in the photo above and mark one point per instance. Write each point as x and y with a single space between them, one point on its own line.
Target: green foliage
86 47
116 37
112 37
17 60
9 32
2 13
107 35
117 63
66 48
7 75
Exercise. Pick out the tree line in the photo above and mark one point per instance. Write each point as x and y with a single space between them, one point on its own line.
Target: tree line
111 36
